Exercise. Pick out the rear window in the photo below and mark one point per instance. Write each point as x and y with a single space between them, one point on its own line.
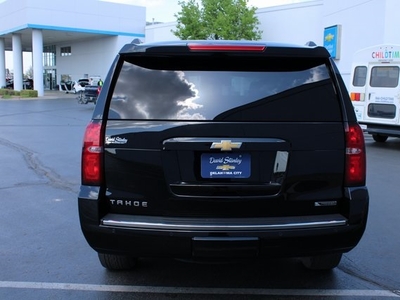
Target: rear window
384 111
203 89
360 76
384 77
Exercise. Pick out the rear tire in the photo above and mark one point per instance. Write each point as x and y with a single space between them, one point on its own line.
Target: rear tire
379 138
117 262
322 262
80 97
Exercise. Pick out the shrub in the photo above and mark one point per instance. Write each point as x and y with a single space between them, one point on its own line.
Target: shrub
7 92
3 92
28 93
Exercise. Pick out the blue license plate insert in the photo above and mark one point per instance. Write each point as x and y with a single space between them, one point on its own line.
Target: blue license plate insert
223 165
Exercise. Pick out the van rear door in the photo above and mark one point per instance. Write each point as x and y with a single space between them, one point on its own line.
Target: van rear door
374 87
382 93
358 89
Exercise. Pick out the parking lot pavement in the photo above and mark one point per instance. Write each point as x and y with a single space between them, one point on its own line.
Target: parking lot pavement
56 95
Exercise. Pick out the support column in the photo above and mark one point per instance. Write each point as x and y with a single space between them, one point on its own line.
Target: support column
2 63
17 61
37 61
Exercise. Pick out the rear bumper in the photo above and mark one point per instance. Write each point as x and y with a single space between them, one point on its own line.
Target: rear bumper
387 130
251 237
227 225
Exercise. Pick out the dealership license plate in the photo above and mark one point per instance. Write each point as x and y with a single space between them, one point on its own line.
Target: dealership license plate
222 165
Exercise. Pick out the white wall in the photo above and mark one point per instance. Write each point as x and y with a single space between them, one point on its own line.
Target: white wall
160 32
87 15
363 25
11 14
93 57
392 22
295 23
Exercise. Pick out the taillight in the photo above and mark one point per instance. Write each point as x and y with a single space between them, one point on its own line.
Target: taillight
355 156
98 90
357 96
92 154
225 47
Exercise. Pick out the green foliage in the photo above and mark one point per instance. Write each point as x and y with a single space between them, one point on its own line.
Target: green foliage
217 20
190 25
28 94
9 94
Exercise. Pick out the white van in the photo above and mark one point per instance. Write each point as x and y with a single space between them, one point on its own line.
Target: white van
375 90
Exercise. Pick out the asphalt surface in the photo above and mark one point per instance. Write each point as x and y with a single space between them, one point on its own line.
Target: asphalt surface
43 254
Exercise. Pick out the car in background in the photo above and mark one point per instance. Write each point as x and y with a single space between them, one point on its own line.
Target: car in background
27 84
9 84
74 86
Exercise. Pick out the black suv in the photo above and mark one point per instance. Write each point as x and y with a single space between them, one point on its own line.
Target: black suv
211 150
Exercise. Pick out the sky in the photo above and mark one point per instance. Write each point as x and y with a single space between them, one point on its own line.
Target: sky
156 11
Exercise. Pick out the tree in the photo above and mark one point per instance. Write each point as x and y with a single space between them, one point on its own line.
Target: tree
217 20
29 73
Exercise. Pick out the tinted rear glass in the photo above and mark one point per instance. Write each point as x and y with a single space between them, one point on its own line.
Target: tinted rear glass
384 76
224 90
384 111
360 76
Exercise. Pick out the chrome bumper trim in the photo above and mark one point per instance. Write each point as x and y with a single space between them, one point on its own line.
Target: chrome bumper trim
214 225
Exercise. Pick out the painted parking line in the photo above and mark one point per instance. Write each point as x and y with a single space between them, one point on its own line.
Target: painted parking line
196 291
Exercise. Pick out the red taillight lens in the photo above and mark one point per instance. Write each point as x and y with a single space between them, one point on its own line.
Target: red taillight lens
98 90
357 96
92 155
225 47
355 156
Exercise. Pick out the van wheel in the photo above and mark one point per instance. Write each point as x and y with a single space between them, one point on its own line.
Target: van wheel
379 138
322 262
117 262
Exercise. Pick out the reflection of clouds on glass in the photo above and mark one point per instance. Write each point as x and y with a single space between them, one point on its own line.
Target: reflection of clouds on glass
189 103
317 74
142 109
309 76
154 94
187 116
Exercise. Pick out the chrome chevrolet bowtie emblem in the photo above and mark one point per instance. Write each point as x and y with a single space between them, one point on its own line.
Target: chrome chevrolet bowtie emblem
226 167
226 145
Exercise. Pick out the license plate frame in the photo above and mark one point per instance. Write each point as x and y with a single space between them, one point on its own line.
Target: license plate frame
225 165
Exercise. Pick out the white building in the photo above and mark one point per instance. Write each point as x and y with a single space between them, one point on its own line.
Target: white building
67 39
80 38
